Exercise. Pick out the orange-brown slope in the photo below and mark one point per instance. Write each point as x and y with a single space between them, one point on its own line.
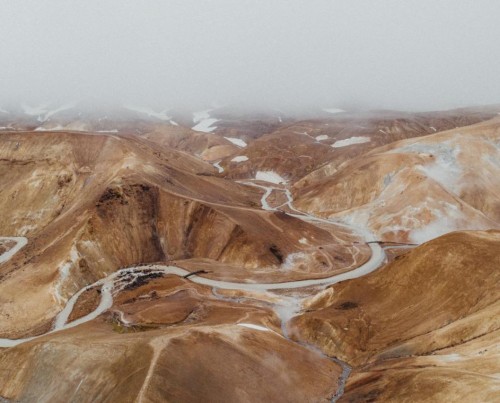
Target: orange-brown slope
178 343
309 150
383 128
208 146
467 372
122 203
433 300
416 189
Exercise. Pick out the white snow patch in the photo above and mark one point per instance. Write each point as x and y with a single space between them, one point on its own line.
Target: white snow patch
219 168
350 141
322 137
205 125
255 327
333 110
303 241
240 158
235 141
269 176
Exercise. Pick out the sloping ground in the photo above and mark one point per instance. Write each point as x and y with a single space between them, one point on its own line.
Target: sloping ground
439 302
208 146
415 190
91 204
184 344
308 150
468 372
352 131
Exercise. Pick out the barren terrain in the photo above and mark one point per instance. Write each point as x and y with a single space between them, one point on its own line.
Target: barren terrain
222 256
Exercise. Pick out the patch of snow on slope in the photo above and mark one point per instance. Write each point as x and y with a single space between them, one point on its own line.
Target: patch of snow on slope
240 158
269 176
322 137
219 168
162 115
351 141
205 125
237 142
204 121
333 110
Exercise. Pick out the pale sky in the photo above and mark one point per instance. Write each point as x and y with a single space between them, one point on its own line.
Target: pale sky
400 54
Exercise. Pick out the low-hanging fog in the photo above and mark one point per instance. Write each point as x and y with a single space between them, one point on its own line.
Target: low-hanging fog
413 54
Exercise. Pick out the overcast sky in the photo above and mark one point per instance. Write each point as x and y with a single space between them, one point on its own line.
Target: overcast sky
406 54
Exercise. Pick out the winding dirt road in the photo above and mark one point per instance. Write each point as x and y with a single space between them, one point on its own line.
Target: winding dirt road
20 242
286 309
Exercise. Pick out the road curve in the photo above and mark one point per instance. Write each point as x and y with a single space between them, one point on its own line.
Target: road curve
116 281
20 241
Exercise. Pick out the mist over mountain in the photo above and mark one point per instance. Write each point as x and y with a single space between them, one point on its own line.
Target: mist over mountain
266 201
412 55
